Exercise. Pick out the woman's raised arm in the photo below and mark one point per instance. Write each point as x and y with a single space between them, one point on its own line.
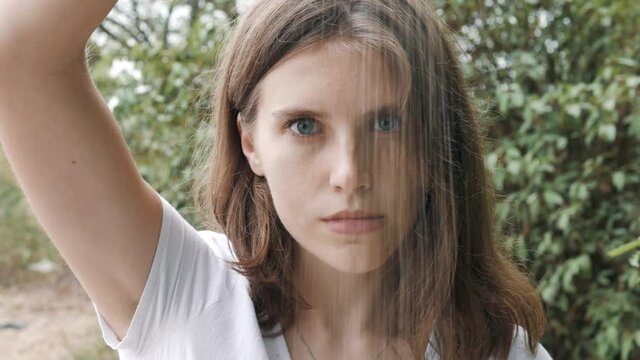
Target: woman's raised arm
48 33
69 155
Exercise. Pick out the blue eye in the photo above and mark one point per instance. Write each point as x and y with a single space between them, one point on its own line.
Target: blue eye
387 122
305 126
302 125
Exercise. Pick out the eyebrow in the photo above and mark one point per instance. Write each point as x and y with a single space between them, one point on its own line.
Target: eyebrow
299 112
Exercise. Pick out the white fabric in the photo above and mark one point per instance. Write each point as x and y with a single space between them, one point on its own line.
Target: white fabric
194 306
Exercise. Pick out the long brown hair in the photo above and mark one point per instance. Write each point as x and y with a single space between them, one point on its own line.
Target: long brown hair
450 276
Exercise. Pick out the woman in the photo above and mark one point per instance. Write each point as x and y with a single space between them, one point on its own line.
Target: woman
346 178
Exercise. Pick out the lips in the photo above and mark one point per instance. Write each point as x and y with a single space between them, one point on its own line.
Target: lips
355 226
353 215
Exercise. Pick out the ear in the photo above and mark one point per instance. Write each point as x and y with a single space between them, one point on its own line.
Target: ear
248 148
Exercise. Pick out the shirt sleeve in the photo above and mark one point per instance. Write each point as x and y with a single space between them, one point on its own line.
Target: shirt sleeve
520 349
188 275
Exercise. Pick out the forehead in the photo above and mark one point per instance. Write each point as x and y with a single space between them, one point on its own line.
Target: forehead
330 77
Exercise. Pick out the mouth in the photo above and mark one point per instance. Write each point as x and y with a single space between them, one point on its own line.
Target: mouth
355 226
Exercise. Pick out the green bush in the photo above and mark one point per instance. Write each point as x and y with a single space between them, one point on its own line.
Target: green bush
161 96
559 82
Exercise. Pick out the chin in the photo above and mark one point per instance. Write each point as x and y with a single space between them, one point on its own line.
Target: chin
349 256
354 265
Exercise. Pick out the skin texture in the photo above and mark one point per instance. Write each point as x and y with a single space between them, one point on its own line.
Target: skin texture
324 164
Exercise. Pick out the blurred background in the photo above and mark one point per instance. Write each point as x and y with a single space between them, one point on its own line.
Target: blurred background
557 83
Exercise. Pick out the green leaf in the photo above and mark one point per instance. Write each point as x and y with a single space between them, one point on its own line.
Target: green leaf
607 132
633 81
609 104
534 208
574 267
503 101
618 179
628 62
627 344
563 222
634 125
517 98
552 198
634 260
574 110
513 167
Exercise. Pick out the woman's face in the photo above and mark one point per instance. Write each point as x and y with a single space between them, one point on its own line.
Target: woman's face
329 136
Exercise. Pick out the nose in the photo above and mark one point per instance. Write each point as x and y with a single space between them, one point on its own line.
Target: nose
350 171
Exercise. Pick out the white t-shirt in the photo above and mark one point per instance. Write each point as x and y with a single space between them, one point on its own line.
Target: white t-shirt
195 307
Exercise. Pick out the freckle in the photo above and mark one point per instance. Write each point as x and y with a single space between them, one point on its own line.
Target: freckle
73 162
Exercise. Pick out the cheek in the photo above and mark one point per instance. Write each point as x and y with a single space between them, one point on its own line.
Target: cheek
291 186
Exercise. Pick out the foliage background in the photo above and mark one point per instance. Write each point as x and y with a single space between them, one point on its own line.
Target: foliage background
557 83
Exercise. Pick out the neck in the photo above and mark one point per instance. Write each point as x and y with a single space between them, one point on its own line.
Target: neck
340 314
341 302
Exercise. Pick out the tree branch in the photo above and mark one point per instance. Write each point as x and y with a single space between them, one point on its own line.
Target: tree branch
165 30
195 11
136 20
123 28
121 41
